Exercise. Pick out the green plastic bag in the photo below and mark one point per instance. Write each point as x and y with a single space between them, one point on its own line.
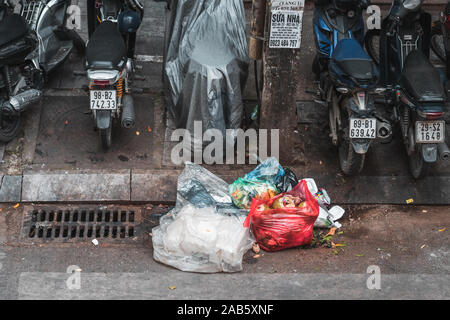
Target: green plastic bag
242 191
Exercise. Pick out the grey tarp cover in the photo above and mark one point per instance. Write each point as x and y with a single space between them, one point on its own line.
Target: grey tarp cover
205 63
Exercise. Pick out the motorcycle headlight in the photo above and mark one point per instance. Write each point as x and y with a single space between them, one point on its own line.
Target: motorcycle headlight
412 4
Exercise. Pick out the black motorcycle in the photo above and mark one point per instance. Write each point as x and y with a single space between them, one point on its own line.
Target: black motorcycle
440 37
348 81
110 62
32 44
414 87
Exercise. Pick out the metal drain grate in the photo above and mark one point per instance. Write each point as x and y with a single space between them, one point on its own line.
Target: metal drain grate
110 224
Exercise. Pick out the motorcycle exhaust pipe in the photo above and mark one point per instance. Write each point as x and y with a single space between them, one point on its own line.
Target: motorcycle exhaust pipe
128 118
22 101
384 130
444 151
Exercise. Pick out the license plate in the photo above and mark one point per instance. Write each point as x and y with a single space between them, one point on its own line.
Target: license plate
430 131
363 128
103 100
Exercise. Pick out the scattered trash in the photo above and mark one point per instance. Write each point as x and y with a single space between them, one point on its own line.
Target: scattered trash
150 234
359 255
66 122
138 133
284 221
424 211
16 205
95 242
149 129
172 287
409 201
331 232
204 232
312 187
443 229
327 216
423 246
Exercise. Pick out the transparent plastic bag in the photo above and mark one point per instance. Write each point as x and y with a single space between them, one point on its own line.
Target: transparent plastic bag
269 170
204 232
201 188
202 240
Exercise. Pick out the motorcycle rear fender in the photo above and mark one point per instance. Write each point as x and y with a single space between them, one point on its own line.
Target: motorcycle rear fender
429 152
103 119
361 146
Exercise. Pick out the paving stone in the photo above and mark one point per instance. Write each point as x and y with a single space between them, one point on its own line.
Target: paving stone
111 185
154 185
11 188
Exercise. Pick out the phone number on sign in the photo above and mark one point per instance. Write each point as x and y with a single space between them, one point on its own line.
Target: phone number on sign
283 43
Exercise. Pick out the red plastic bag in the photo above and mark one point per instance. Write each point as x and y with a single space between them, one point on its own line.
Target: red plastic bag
282 228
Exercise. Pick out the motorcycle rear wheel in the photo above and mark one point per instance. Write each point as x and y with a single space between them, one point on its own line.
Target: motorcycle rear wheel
9 127
351 163
105 138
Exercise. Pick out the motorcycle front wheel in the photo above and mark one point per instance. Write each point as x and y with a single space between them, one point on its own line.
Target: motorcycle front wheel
9 126
351 163
437 42
105 138
372 44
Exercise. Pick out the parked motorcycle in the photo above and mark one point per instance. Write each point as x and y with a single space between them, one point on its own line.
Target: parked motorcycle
32 44
440 37
347 81
110 63
415 88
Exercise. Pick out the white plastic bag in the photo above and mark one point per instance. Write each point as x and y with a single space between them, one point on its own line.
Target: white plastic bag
201 240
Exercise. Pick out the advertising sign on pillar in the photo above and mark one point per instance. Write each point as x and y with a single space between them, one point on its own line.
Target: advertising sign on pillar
286 23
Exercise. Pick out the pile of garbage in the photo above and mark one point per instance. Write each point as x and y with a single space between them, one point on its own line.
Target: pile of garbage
214 224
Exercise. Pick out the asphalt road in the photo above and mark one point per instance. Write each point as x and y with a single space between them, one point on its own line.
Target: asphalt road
409 245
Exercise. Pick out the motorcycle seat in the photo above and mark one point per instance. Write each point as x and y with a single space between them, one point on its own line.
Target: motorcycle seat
421 79
12 27
352 60
106 49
